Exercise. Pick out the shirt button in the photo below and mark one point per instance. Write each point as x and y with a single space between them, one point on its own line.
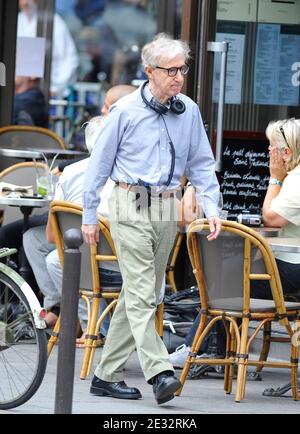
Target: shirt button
163 130
163 149
163 167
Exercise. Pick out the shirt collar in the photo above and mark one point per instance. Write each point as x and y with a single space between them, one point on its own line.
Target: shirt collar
149 96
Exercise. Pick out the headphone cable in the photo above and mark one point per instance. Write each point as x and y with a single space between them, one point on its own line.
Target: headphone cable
172 153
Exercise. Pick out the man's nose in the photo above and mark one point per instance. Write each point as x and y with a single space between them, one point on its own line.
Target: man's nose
179 76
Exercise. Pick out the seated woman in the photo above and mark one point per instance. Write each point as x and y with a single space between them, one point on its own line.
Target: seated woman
281 206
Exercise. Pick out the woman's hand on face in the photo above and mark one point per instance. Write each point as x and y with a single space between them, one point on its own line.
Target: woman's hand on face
277 164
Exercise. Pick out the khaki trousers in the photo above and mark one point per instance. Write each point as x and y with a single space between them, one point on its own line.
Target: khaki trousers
143 241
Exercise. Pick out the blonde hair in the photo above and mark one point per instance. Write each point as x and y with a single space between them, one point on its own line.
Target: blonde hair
290 138
163 46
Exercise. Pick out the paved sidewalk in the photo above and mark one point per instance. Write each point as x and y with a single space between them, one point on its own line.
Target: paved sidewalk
198 396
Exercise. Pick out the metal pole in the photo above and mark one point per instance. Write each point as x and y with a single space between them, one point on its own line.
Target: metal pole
67 337
220 47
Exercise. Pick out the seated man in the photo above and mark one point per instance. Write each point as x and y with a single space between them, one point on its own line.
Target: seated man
38 247
29 103
39 244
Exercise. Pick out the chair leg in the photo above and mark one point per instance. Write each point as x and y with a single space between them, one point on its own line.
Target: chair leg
294 383
184 374
242 362
110 307
54 336
194 349
228 371
265 345
90 337
171 278
232 366
159 319
94 346
294 367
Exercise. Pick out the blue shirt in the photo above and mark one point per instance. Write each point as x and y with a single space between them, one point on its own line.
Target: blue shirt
133 144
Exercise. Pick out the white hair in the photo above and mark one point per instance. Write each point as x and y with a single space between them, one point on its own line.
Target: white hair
92 131
163 46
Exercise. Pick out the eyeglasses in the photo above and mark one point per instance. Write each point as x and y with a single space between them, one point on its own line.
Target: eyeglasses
282 131
172 72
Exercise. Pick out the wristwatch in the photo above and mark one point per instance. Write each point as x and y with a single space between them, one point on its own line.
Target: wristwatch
274 181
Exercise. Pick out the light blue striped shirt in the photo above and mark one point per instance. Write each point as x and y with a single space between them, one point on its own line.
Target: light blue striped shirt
133 144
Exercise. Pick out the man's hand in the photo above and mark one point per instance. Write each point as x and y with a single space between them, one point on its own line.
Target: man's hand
55 171
215 228
90 233
187 208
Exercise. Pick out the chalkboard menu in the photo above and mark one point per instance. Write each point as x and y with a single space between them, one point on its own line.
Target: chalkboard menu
245 172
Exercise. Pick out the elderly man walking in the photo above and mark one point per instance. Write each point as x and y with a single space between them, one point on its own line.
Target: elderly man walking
153 137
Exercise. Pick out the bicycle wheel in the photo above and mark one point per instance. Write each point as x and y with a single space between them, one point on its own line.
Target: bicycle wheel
23 348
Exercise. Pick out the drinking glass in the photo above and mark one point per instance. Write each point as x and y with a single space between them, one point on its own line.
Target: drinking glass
223 213
46 184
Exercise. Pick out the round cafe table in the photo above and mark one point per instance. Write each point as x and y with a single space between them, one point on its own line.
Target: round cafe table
41 154
267 232
30 153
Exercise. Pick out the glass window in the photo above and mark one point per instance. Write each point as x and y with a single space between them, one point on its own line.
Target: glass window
262 64
96 44
109 35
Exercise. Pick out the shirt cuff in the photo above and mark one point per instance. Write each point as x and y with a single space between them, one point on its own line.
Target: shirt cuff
208 205
89 217
211 212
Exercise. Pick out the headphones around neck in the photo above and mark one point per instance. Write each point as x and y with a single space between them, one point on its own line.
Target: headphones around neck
177 106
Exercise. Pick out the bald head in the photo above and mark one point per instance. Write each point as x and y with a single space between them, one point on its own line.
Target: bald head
92 129
114 94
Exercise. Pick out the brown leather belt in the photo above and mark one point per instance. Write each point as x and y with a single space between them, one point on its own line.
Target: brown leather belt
137 189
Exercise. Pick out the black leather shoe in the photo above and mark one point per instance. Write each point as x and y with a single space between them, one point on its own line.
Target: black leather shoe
164 387
115 390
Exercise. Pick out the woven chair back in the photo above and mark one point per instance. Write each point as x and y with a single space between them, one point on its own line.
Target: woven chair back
22 136
65 216
225 267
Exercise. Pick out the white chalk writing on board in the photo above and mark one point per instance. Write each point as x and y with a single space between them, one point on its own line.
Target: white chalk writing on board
245 176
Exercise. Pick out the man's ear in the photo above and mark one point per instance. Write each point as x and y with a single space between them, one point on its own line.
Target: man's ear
148 71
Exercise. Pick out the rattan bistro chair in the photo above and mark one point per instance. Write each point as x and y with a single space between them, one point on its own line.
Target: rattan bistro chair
224 269
66 215
170 270
24 136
